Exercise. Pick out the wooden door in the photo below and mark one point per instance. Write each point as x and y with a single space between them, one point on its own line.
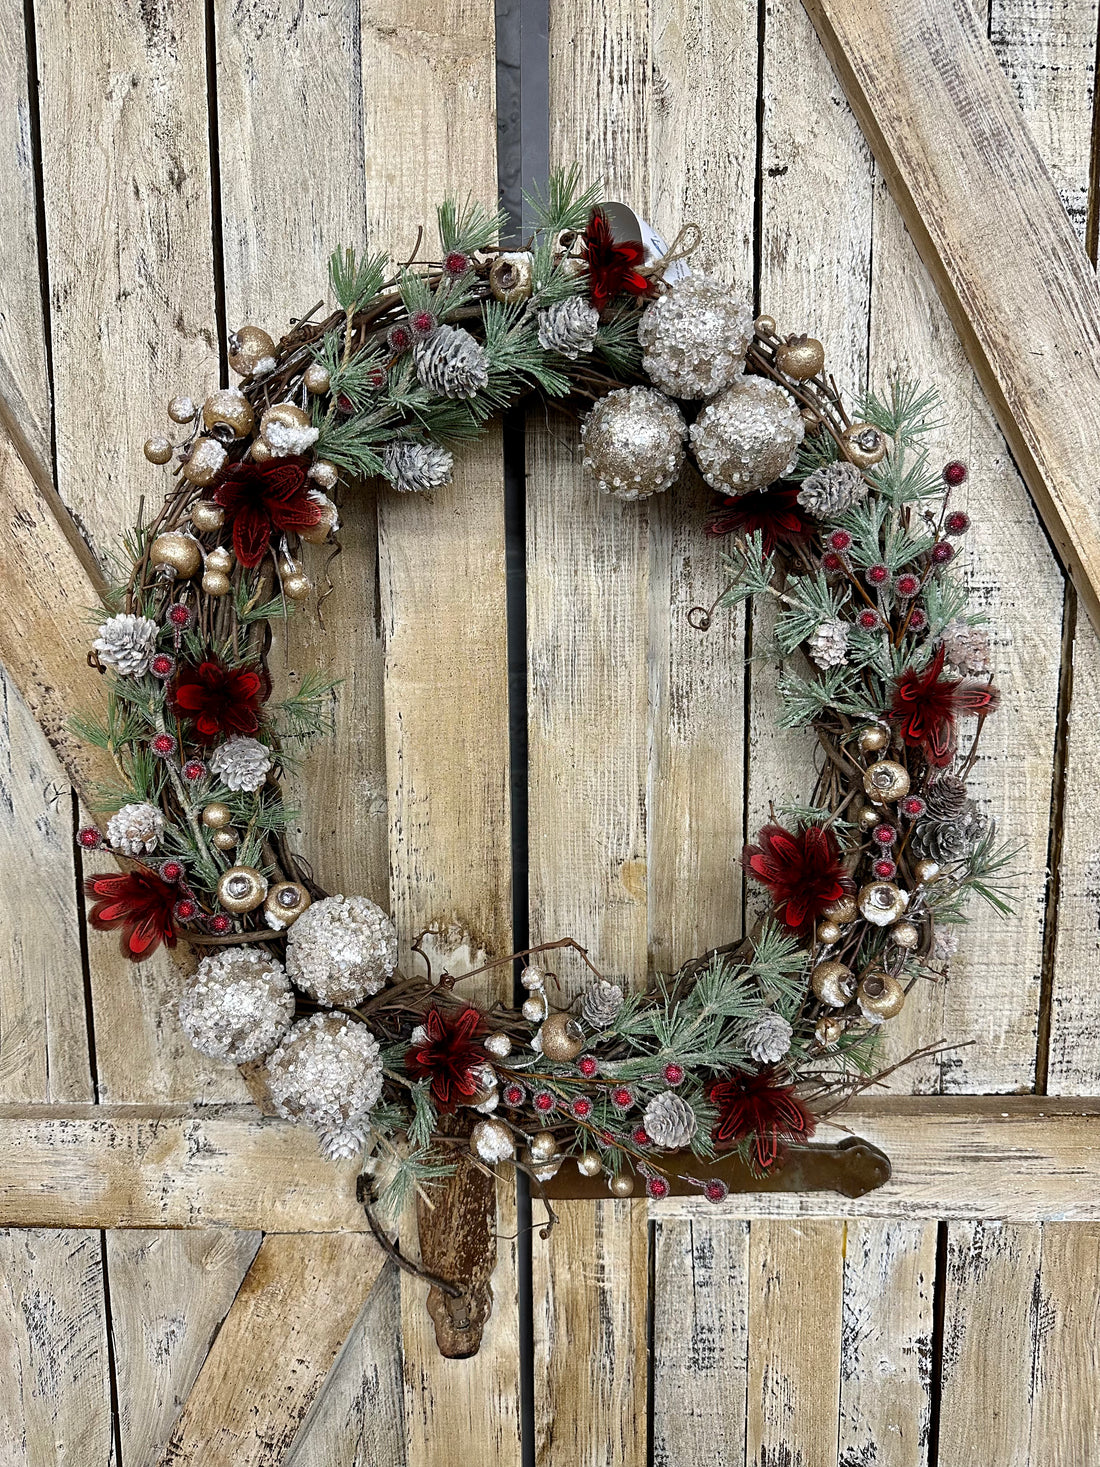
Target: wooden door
177 167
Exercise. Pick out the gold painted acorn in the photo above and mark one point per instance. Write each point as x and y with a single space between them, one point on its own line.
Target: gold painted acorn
880 997
886 780
562 1039
241 889
864 445
178 554
250 350
206 516
833 983
228 414
881 902
800 357
511 276
285 903
843 910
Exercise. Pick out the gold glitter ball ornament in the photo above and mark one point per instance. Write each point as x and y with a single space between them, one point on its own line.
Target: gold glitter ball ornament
874 740
880 997
216 815
228 414
622 1185
317 378
905 935
694 337
215 583
206 516
204 463
589 1165
800 357
220 559
634 443
178 554
543 1145
158 450
864 445
886 780
284 904
242 889
764 326
748 436
833 983
225 840
562 1039
828 933
251 350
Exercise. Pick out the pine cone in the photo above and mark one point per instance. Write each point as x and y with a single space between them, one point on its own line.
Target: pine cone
769 1039
452 363
413 468
832 490
135 829
241 763
342 949
945 944
950 840
127 644
829 644
945 798
966 647
669 1121
569 327
601 1004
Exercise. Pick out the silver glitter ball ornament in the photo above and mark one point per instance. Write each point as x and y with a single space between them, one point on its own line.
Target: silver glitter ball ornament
747 437
634 442
237 1005
694 337
328 1073
342 949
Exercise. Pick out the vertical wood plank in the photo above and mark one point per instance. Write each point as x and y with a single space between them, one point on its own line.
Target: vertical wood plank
55 1403
590 1281
700 1340
170 1291
886 1343
1065 1417
796 1275
989 1343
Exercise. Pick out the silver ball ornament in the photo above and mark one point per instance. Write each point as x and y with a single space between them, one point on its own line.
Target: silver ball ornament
748 436
634 443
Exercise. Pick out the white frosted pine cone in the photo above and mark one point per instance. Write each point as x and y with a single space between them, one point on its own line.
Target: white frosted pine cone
694 337
829 644
237 1005
452 363
342 949
241 763
669 1121
600 1005
328 1073
966 647
569 327
414 468
135 830
634 442
769 1039
747 437
127 643
832 490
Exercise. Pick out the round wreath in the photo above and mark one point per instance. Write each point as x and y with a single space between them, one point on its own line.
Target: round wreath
836 515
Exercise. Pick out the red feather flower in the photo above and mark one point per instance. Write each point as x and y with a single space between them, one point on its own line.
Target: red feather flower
774 512
448 1055
259 499
219 701
803 871
926 705
140 904
612 267
754 1108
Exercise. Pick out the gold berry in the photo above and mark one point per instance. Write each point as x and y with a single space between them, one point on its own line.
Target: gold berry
589 1165
828 1030
881 996
317 378
764 325
800 357
158 450
330 520
282 415
215 583
241 889
259 451
832 983
843 910
868 817
250 348
178 554
323 473
204 462
285 903
926 871
216 815
828 933
227 413
224 840
181 409
562 1039
511 277
622 1185
874 740
220 559
881 902
206 516
904 935
886 780
864 445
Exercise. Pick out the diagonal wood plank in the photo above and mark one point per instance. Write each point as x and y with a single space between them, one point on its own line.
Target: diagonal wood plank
294 1310
947 133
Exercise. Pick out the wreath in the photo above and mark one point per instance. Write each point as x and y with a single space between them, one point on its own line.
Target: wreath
837 514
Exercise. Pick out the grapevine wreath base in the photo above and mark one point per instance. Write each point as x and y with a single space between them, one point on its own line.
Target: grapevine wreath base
833 513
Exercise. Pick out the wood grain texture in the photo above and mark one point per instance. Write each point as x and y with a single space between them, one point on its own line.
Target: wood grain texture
700 1340
170 1292
294 1311
55 1402
936 108
795 1290
1065 1414
590 1349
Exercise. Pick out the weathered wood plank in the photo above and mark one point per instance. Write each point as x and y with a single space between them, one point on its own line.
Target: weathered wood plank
55 1399
170 1292
1022 1157
589 1286
700 1340
886 1343
795 1292
937 110
1065 1413
294 1311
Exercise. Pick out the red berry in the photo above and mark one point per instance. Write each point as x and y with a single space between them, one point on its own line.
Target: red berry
171 870
220 925
582 1107
89 839
885 869
868 620
639 1136
942 552
164 746
345 404
840 539
954 473
162 665
884 835
544 1101
423 323
656 1187
832 562
715 1190
179 615
378 378
878 575
912 806
907 585
674 1073
400 338
185 909
957 522
194 770
588 1065
513 1095
917 619
622 1097
456 263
